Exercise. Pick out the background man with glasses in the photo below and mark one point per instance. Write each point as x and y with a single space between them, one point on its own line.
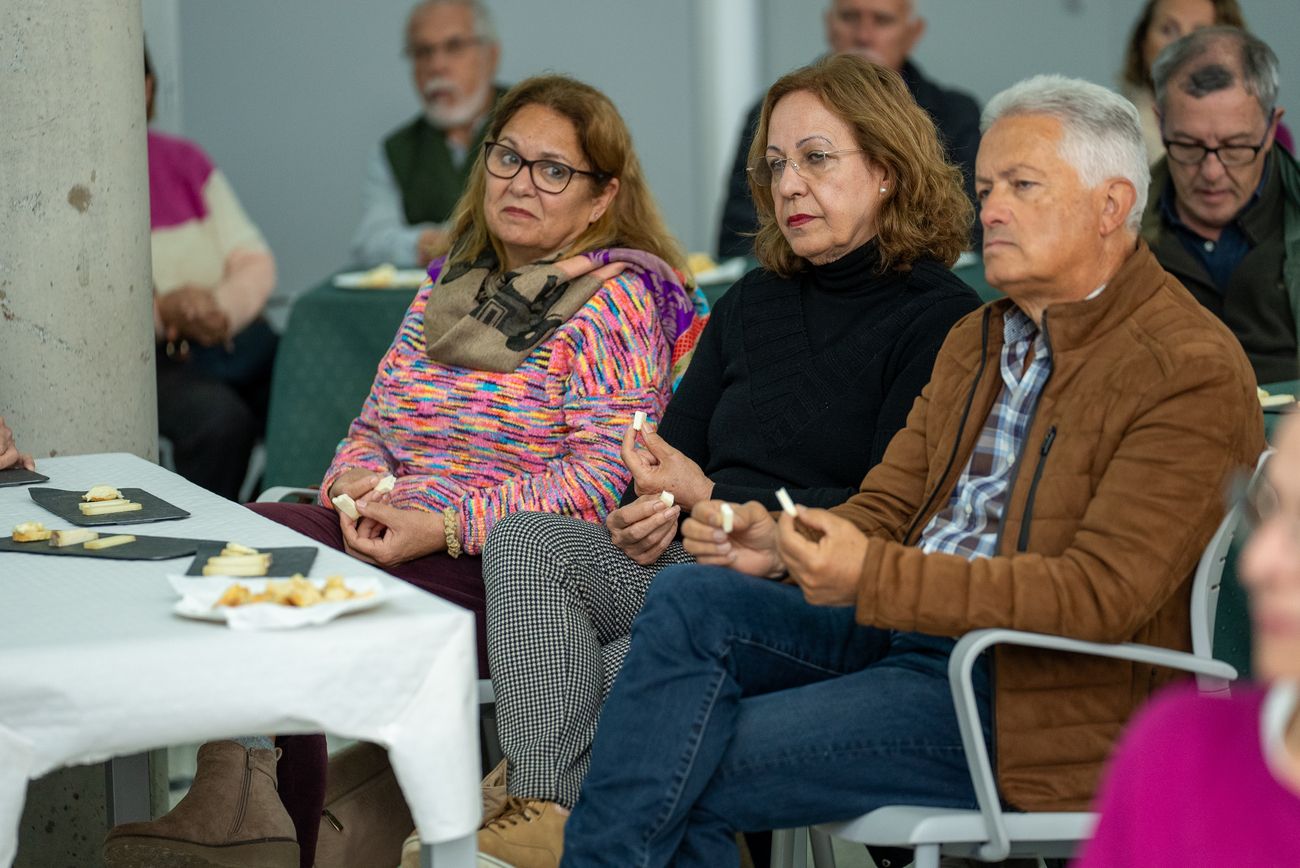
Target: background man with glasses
418 172
1225 205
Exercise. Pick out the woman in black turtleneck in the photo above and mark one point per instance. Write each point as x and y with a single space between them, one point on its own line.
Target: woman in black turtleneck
807 368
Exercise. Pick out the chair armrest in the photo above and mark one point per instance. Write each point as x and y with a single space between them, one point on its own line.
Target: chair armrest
962 663
278 493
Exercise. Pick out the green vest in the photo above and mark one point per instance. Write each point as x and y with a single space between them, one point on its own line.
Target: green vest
1289 175
421 163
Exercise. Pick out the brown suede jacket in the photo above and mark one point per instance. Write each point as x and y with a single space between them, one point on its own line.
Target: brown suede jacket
1149 411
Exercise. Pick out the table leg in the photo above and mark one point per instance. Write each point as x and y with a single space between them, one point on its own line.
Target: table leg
456 853
128 789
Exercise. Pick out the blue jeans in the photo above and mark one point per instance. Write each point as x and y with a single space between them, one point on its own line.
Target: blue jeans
741 707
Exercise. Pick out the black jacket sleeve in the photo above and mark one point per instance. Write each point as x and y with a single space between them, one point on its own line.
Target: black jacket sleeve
738 218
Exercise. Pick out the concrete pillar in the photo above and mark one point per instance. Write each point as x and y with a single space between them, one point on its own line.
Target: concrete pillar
76 320
729 46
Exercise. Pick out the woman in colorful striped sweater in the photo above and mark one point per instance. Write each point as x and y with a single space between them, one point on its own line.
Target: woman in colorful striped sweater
550 322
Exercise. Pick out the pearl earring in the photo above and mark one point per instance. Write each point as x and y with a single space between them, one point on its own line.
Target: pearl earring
882 190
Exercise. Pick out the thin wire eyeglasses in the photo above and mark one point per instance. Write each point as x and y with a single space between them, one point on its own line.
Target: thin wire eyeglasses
811 164
453 48
504 162
1232 156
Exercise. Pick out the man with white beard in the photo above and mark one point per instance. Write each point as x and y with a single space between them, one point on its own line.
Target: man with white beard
418 172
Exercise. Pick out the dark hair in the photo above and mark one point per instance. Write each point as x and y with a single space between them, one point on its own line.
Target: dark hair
1136 73
1202 70
148 74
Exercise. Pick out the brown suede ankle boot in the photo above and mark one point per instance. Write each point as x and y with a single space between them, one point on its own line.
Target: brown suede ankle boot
231 818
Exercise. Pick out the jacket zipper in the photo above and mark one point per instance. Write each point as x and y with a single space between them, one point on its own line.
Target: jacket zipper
1022 544
961 427
1029 426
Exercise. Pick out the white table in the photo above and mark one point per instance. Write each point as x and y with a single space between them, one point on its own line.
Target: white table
94 664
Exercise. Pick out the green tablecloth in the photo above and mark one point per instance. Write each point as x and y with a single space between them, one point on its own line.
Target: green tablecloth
324 368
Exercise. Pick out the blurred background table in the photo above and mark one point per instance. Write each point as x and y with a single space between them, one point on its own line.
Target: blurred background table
334 340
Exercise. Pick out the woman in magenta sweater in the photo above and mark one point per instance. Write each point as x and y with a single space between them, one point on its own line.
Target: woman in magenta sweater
1214 781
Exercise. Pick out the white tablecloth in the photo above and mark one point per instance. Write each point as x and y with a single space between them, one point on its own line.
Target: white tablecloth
93 663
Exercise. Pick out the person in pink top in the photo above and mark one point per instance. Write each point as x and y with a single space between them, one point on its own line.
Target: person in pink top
212 275
1200 780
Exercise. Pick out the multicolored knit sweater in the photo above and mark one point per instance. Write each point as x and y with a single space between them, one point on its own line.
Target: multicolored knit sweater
544 437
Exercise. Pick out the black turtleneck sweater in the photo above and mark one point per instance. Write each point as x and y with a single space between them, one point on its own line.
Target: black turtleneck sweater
801 382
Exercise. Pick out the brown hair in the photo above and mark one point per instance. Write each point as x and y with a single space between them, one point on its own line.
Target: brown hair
925 212
1136 73
632 219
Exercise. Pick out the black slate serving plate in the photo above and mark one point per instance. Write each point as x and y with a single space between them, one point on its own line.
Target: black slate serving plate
64 505
20 476
284 561
145 548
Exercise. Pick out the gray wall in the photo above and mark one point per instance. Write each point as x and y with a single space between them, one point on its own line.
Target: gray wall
983 46
290 96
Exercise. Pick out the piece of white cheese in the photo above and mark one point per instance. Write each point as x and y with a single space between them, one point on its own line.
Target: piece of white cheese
667 498
728 518
107 542
101 492
783 497
346 505
73 537
638 420
107 508
97 504
386 484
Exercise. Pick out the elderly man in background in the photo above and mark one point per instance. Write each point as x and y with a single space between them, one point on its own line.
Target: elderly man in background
1225 206
419 171
1060 474
884 32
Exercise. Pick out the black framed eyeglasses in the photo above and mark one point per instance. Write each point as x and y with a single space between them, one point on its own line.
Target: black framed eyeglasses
549 176
1232 156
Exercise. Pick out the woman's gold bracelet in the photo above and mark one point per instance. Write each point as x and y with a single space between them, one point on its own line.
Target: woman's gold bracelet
451 527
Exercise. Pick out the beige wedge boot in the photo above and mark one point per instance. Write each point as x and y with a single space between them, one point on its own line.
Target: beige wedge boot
231 818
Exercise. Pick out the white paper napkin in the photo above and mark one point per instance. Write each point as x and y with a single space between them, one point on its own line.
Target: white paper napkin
198 597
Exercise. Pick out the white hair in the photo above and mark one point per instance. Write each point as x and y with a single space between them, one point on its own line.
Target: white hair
913 8
484 27
1102 132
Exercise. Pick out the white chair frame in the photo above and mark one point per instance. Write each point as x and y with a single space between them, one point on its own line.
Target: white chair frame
991 834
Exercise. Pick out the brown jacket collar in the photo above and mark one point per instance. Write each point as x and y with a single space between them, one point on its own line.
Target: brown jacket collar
1073 325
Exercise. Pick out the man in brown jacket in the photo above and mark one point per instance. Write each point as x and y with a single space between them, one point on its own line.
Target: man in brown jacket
1061 473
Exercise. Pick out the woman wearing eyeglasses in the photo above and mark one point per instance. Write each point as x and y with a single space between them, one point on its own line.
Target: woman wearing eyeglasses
1200 780
549 324
806 369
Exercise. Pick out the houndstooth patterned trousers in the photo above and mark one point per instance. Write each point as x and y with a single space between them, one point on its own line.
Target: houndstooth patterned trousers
561 599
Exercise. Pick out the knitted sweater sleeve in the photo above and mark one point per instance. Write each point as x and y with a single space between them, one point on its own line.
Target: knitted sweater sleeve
616 363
